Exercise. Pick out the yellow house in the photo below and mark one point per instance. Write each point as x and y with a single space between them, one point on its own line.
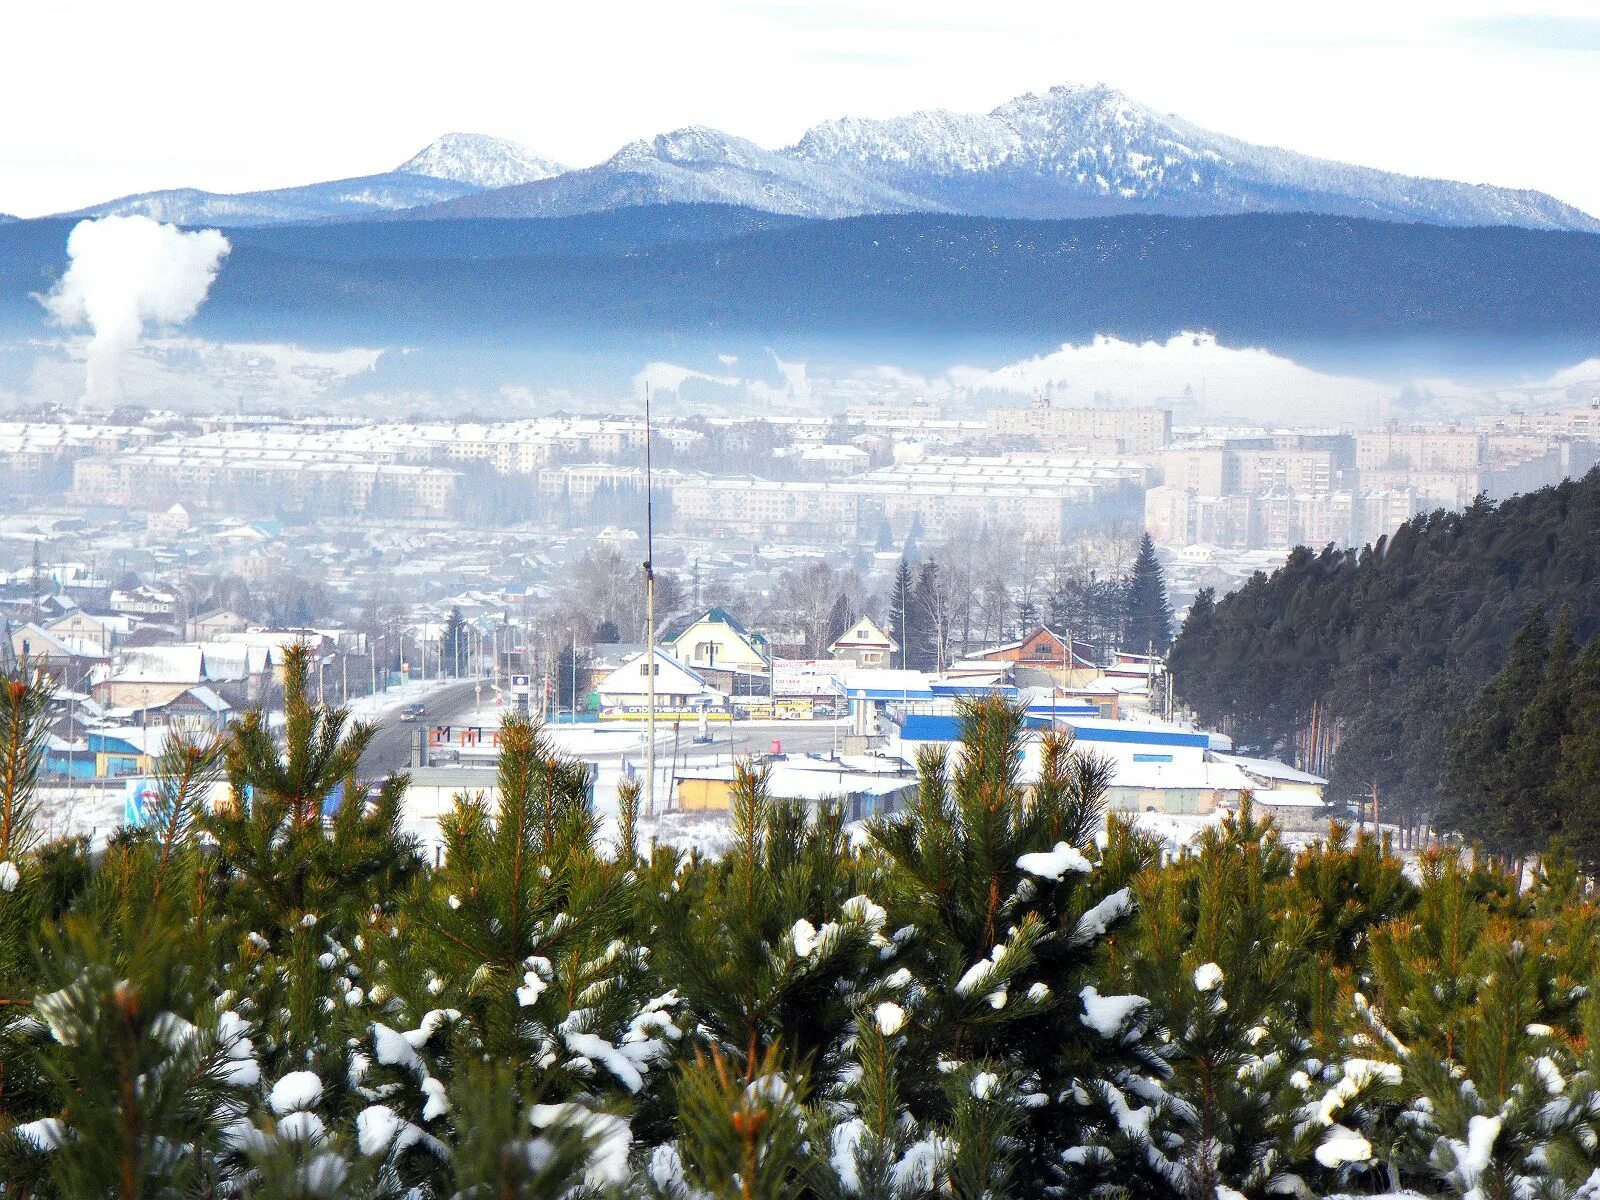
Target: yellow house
716 641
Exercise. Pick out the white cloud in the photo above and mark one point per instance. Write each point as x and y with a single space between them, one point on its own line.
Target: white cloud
1222 381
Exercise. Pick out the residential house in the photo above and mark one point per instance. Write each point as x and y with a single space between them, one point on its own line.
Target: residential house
144 601
215 624
197 709
715 641
625 691
69 665
865 645
1042 658
90 633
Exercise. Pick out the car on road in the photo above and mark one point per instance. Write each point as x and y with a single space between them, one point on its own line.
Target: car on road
413 712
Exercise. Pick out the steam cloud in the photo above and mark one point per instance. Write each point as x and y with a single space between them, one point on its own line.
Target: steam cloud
125 273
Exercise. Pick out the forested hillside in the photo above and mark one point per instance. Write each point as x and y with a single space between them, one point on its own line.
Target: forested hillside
1362 662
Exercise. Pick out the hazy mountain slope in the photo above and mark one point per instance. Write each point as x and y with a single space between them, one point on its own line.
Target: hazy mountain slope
341 198
1267 280
457 164
620 231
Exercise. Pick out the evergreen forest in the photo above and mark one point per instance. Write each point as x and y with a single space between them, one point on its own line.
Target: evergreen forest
1371 666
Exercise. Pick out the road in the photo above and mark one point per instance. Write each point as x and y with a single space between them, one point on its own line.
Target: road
390 751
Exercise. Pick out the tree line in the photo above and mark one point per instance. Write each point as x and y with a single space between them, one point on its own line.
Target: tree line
1129 612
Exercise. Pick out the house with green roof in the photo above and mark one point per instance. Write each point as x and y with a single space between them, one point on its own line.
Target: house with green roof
717 641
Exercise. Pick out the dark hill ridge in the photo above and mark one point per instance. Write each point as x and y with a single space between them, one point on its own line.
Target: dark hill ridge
707 272
1259 278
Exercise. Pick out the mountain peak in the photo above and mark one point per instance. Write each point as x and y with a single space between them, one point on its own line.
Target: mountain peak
693 144
479 160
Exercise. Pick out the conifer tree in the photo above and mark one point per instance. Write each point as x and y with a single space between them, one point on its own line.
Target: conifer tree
27 897
1577 775
1008 911
1217 958
903 620
526 927
773 944
1149 621
281 855
1481 776
1534 748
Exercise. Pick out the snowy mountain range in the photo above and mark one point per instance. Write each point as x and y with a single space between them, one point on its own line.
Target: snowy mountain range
1074 151
1090 151
694 165
479 160
455 165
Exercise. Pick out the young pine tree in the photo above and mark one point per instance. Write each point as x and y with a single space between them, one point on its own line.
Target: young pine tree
281 855
1004 911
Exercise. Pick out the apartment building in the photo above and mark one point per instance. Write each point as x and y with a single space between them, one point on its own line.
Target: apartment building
1131 430
580 481
1275 521
1393 448
764 507
159 475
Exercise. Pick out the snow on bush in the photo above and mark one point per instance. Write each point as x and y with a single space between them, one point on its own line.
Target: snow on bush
1108 1015
1053 864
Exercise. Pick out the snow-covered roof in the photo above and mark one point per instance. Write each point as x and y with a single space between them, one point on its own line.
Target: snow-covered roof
161 664
1267 768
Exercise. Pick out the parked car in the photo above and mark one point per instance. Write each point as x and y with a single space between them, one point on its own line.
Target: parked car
413 712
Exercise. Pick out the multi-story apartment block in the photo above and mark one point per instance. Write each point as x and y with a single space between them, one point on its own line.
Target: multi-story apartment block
1133 430
1394 449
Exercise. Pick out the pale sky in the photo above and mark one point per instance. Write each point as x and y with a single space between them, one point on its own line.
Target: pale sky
106 97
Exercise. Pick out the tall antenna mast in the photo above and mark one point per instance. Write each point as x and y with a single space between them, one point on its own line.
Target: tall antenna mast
649 615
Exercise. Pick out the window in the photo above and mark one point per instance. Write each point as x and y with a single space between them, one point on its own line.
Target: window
1152 758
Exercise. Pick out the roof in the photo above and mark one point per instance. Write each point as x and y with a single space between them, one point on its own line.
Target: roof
1189 775
1089 729
670 674
1268 768
867 684
161 664
42 643
716 615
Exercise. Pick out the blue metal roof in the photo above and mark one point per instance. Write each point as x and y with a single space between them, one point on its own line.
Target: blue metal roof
950 688
1140 737
946 727
1063 710
930 727
864 693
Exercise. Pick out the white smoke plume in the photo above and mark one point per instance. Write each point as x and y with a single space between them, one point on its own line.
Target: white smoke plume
125 273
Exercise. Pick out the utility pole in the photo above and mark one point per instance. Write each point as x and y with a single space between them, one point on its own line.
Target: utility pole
649 616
